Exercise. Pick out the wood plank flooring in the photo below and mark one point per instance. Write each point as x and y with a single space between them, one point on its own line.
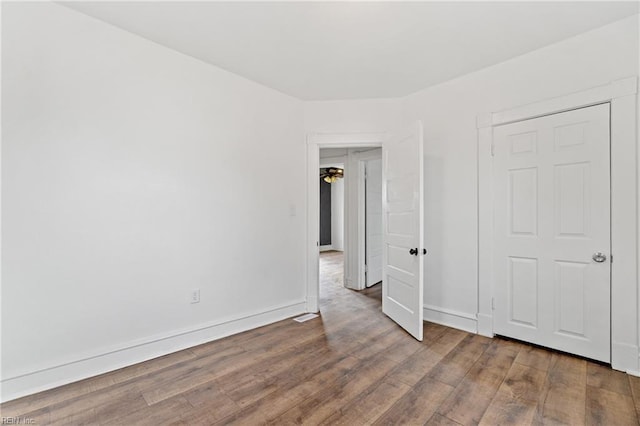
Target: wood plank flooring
351 366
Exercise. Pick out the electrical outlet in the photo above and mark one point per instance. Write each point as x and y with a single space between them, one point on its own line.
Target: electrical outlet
195 296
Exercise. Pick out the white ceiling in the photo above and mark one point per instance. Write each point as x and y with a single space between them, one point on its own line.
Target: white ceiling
347 50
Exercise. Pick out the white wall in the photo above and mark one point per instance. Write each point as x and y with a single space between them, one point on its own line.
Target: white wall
331 153
133 174
352 116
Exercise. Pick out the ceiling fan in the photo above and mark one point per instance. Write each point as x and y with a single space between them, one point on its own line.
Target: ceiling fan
331 174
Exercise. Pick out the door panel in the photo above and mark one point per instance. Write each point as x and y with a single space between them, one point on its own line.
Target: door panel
523 201
402 206
551 214
570 283
523 287
572 197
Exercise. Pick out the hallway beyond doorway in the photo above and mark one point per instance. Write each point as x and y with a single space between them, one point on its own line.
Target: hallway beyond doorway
332 282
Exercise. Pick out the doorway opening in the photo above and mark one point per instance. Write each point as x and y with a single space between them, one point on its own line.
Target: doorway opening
402 219
336 148
350 222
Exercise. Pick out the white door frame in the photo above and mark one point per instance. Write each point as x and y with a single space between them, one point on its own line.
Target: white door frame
315 141
361 160
625 157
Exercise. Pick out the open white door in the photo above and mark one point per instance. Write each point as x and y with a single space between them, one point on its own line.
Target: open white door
403 225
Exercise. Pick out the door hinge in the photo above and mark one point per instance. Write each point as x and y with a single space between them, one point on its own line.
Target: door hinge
366 268
492 149
611 258
493 304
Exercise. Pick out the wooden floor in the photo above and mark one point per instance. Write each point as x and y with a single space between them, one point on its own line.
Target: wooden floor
352 366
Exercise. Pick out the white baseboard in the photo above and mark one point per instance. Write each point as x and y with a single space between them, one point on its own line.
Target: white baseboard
485 325
450 318
325 248
624 357
133 353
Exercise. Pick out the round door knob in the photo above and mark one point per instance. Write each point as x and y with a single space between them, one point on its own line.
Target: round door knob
413 251
599 257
